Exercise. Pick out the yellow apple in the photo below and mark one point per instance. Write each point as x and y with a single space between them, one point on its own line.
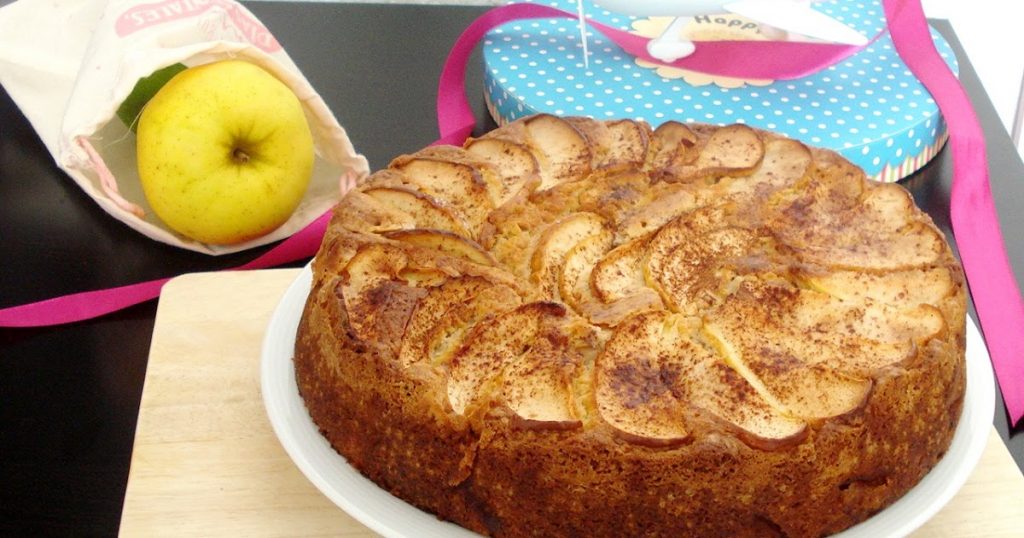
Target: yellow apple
224 152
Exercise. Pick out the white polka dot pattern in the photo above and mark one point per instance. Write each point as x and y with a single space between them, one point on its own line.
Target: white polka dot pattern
869 108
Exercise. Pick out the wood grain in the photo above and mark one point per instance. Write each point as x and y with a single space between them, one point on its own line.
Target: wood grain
207 463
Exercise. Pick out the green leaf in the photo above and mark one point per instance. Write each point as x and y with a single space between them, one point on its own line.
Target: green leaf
143 91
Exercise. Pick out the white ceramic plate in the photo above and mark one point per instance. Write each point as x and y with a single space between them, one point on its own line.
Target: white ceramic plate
392 517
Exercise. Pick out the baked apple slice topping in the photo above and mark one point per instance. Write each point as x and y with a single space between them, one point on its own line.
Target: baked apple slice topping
363 213
598 138
517 167
377 300
672 144
538 385
555 242
902 288
563 153
734 150
620 273
686 255
668 201
629 142
866 319
614 194
459 186
426 212
875 232
690 277
772 335
634 379
499 188
575 286
631 203
435 305
574 280
370 265
445 242
656 376
785 162
493 344
618 281
445 337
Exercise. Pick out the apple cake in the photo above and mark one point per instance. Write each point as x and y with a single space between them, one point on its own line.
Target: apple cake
571 327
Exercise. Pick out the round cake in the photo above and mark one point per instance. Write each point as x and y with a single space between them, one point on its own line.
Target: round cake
570 327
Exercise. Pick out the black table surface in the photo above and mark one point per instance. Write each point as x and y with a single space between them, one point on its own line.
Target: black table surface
69 395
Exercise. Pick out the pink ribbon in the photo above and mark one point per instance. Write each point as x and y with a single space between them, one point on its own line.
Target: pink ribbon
994 290
975 224
92 304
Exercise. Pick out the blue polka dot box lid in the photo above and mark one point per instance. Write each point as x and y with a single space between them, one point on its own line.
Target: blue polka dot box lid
869 108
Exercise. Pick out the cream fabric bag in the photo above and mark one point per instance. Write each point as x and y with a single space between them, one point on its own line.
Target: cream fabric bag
69 64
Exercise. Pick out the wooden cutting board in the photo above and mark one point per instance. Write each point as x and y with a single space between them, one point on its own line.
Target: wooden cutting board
207 463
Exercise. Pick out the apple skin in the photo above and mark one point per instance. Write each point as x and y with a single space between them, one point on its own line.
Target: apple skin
224 152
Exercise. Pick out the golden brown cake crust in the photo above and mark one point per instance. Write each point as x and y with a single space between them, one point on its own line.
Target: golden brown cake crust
571 327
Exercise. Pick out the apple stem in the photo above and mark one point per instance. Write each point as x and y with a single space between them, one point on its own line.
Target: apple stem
240 156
